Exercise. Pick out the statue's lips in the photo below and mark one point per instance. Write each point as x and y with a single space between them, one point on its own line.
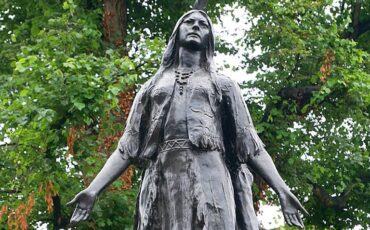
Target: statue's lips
193 34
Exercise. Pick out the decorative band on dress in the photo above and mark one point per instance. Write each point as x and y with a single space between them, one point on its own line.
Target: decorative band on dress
175 144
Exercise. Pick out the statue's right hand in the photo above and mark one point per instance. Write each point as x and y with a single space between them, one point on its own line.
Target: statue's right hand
84 202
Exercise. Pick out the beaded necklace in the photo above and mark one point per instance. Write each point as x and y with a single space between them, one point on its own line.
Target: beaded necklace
182 79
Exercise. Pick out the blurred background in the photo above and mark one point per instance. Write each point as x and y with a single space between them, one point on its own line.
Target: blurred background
69 71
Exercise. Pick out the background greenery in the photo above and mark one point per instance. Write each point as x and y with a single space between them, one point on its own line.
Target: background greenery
68 74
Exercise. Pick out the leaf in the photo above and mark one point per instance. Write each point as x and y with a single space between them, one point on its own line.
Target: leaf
79 105
65 5
13 38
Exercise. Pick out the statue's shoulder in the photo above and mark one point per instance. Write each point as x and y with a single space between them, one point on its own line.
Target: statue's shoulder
147 86
225 82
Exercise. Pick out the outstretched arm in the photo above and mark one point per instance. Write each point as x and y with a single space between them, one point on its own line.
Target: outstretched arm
84 201
263 165
250 149
128 147
112 169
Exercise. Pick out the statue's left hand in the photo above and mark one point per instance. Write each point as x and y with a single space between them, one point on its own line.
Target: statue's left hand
84 202
290 206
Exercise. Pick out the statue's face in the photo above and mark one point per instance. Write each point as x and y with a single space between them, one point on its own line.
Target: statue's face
194 31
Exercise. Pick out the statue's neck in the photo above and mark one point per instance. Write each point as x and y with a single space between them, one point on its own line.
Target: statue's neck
189 58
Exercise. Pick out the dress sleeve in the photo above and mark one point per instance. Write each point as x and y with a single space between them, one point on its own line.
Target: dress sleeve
245 139
129 144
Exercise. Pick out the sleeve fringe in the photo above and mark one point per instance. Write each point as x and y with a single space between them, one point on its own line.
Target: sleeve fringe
248 144
129 146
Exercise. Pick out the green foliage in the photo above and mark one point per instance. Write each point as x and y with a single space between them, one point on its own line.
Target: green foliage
319 140
59 87
160 16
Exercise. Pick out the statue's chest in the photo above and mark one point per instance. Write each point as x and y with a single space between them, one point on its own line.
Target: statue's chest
197 87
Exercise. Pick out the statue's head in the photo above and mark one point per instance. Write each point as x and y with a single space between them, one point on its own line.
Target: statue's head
193 21
193 32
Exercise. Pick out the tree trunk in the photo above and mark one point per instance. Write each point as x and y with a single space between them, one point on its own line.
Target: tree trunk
57 212
115 22
356 10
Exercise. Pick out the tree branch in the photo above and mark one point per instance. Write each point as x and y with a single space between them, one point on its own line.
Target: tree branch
7 144
328 201
338 202
11 191
298 93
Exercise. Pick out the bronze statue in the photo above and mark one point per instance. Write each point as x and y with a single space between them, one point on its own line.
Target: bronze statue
190 126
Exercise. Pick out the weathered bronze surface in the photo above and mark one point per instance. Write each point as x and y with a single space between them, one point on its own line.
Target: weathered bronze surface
191 128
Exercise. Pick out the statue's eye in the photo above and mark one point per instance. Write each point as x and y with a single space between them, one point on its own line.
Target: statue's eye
188 21
203 25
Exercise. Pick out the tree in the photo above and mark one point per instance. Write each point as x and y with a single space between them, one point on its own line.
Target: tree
60 81
67 82
313 107
69 71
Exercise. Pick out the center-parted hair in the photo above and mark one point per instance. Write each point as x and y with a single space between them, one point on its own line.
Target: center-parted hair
170 56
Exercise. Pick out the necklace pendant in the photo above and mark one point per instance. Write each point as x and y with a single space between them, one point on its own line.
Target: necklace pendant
182 79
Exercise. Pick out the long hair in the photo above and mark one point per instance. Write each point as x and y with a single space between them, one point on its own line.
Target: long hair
170 56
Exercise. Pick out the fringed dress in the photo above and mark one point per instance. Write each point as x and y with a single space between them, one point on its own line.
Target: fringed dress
195 147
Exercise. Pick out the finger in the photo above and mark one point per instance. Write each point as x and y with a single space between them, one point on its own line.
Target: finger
72 223
80 217
87 214
295 221
292 219
287 219
300 221
75 218
76 215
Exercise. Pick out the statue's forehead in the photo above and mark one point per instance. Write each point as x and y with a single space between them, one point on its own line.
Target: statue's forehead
196 15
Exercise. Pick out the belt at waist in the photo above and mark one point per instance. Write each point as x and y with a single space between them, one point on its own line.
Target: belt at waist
175 144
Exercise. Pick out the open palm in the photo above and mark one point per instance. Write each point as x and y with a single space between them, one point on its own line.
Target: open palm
84 202
290 206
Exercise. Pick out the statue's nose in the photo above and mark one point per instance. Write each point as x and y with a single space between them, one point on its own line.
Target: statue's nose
195 27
